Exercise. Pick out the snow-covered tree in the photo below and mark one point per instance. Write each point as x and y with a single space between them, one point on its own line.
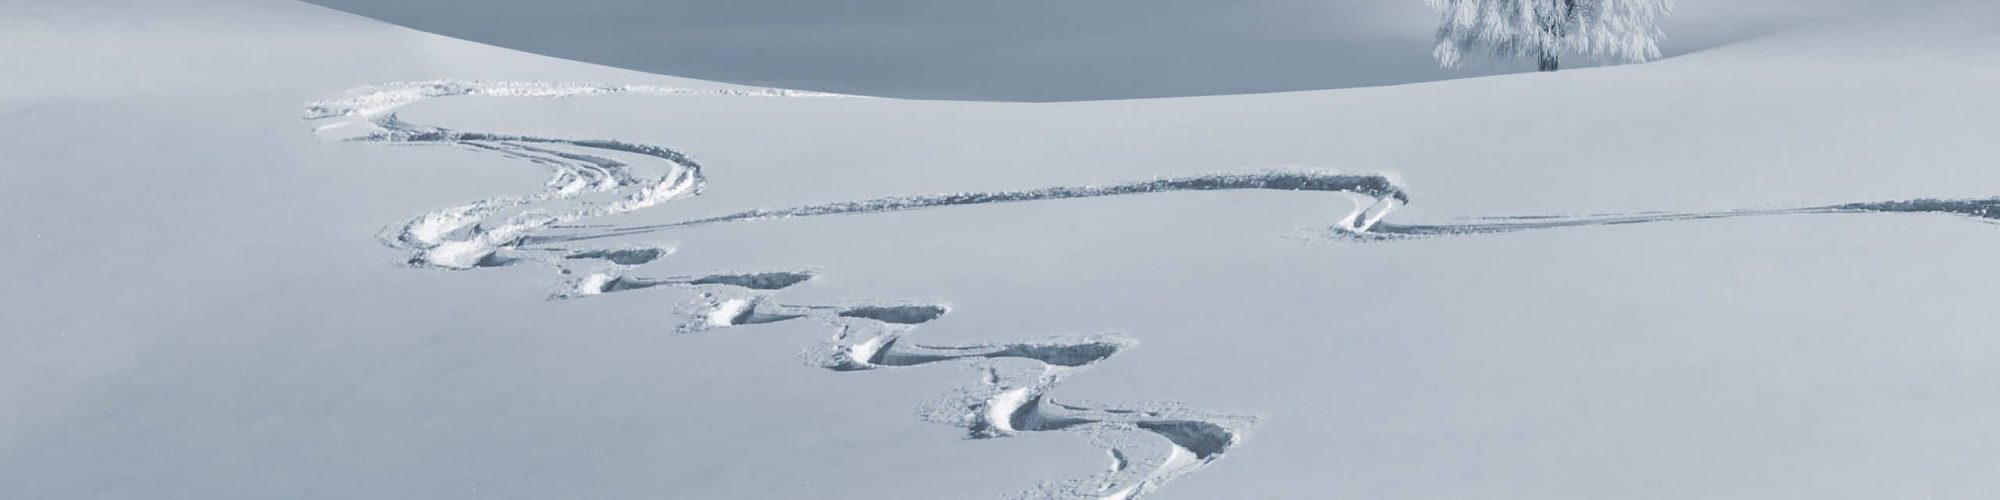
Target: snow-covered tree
1605 30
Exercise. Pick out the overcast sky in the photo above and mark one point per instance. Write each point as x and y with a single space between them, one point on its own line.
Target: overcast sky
1017 49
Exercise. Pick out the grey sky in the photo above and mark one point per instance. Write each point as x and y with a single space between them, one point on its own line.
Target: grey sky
1016 50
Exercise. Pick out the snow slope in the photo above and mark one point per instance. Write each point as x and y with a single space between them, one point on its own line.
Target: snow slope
1031 50
1753 272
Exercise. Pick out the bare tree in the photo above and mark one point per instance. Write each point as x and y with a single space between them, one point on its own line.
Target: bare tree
1543 30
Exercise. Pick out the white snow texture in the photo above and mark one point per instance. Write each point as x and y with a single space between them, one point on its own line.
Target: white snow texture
265 249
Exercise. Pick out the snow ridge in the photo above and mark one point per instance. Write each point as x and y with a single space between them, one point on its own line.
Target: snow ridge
373 100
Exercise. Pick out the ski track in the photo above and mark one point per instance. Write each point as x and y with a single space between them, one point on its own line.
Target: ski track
1382 191
1148 444
1982 209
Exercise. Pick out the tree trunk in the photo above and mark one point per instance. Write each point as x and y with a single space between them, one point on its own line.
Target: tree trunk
1546 62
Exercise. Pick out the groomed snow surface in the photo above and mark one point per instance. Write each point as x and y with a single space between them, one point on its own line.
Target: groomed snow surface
268 250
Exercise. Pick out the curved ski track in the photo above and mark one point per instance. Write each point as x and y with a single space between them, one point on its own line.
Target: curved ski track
1149 444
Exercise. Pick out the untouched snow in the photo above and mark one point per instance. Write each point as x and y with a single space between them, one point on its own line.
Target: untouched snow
1759 271
1033 50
